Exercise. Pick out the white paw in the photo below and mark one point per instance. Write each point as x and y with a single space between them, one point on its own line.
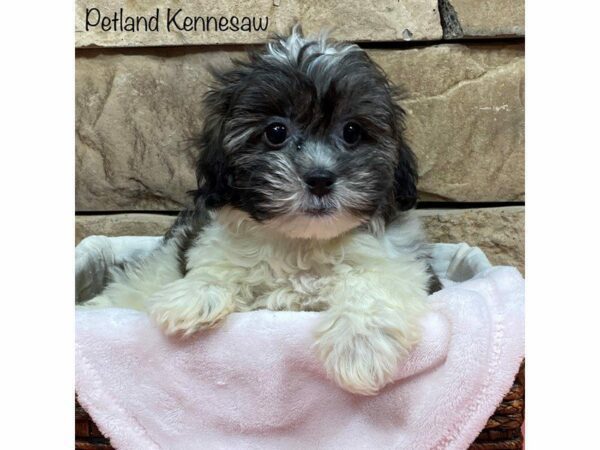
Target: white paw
100 301
184 307
361 363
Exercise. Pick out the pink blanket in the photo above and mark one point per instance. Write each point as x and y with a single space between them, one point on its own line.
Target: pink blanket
255 383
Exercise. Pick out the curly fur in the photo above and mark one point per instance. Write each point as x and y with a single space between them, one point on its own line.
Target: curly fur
258 237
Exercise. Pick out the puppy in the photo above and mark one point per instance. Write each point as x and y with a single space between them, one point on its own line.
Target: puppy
305 183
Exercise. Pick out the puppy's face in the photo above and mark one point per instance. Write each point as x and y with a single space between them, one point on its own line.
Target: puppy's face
306 138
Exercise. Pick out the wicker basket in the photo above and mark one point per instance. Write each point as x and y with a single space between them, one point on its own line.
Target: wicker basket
502 431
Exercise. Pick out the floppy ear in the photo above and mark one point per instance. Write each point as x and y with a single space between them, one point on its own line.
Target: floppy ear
405 178
212 173
211 176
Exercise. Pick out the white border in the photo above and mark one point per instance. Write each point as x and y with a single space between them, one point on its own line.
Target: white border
37 227
562 225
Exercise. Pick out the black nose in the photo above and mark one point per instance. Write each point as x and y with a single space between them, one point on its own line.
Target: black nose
320 181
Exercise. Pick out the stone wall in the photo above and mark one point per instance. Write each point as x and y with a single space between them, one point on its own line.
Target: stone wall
460 63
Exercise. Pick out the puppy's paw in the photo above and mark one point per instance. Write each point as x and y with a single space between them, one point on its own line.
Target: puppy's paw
184 307
100 301
359 363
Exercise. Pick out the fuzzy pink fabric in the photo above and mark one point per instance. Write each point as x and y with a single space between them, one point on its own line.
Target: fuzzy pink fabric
255 383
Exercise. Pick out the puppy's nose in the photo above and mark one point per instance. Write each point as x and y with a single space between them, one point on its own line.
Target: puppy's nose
320 181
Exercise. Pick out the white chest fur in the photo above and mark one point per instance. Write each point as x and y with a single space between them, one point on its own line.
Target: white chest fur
268 270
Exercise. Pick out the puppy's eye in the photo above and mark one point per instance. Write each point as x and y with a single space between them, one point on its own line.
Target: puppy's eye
276 134
352 133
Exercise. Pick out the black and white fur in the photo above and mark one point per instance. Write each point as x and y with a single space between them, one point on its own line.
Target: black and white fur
318 220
